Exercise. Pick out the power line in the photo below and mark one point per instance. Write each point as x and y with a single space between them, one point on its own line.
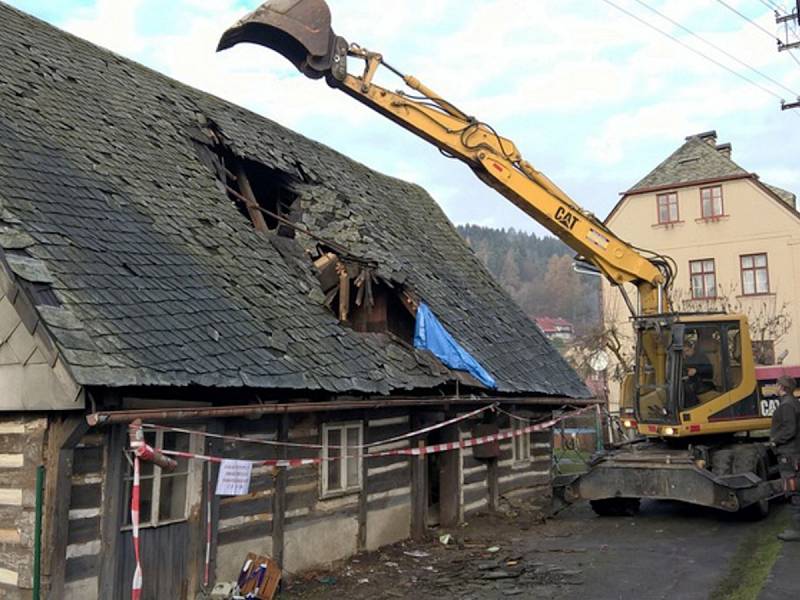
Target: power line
688 47
749 20
771 5
725 52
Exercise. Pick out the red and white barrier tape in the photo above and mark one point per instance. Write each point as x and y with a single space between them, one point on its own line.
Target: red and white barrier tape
207 569
432 449
403 436
136 586
145 451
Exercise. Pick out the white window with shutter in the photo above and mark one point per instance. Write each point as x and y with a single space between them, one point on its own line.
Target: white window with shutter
341 453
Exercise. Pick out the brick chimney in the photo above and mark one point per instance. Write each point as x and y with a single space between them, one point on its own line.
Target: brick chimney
725 150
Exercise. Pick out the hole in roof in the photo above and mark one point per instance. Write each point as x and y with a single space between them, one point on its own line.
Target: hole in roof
261 194
364 301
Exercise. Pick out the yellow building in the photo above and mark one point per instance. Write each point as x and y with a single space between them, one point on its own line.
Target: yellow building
734 239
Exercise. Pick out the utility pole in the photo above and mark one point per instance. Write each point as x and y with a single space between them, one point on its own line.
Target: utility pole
789 37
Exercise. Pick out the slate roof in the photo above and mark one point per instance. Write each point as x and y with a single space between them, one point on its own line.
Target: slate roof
695 160
162 281
698 160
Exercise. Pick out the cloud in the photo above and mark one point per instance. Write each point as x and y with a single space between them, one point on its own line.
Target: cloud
109 23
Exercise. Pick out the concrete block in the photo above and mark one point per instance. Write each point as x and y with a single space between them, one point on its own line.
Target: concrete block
388 526
320 543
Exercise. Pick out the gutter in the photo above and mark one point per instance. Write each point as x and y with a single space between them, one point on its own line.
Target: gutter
150 415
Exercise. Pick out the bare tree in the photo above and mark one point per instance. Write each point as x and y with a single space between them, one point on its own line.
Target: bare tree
769 321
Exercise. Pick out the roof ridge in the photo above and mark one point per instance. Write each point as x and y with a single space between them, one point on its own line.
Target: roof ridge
704 163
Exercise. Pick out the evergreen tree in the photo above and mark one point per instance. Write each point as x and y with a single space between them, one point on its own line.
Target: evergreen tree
537 272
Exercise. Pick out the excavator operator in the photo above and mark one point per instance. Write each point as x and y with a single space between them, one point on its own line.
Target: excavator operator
698 373
785 434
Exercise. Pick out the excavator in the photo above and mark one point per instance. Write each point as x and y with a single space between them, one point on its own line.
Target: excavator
700 430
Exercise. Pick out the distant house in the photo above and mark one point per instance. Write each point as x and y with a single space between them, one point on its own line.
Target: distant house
171 257
556 328
734 238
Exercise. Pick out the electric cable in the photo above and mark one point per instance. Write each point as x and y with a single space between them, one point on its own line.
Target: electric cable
749 20
713 45
698 52
769 5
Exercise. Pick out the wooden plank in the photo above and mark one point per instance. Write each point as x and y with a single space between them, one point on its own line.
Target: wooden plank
366 485
63 435
214 448
83 530
449 484
494 488
245 507
389 502
249 531
110 576
12 443
252 204
88 460
306 499
87 495
390 480
81 567
279 498
419 492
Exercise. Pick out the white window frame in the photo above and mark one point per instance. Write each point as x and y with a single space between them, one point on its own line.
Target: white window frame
520 444
341 464
716 202
193 485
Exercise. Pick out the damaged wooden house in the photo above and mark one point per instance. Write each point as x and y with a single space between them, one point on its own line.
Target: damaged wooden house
170 257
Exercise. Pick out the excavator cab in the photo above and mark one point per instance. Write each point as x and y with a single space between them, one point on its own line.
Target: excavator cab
689 374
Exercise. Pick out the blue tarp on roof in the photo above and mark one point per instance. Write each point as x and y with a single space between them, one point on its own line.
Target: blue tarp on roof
430 334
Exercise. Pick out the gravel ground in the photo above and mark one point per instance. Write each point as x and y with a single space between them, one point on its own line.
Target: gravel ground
668 551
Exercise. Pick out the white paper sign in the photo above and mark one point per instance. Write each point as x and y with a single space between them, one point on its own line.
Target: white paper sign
234 477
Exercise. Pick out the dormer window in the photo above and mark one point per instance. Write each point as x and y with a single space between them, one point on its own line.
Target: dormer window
667 208
711 202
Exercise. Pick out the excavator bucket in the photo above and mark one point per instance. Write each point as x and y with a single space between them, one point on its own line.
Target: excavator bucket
299 30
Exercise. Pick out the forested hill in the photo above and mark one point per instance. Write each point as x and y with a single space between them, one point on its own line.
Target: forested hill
537 272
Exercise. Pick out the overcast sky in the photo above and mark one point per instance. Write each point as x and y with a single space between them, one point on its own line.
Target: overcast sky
592 97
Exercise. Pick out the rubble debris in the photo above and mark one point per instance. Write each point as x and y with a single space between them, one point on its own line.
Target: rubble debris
259 577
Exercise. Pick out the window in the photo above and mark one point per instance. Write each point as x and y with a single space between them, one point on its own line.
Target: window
164 496
341 454
703 279
667 208
755 274
521 448
711 202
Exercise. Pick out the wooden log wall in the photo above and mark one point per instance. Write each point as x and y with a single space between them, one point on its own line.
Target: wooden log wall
530 479
86 493
245 523
474 477
22 440
317 530
387 488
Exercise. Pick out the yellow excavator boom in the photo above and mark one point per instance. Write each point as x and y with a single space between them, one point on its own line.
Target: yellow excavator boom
301 31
